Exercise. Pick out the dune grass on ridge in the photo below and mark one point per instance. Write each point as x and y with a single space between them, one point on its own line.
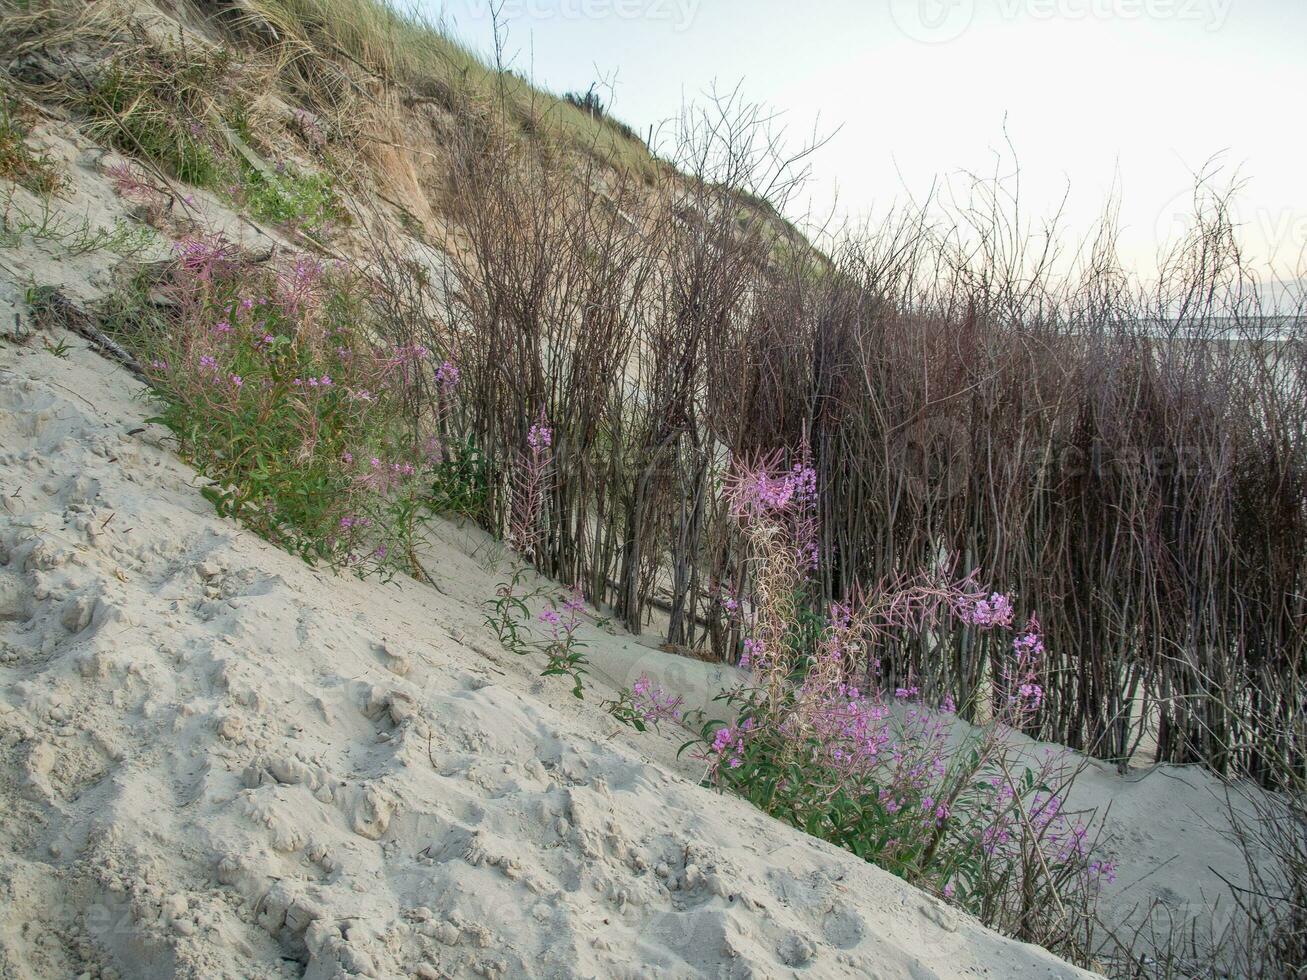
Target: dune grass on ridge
409 48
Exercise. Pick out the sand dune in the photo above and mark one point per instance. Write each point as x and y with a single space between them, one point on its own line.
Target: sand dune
218 762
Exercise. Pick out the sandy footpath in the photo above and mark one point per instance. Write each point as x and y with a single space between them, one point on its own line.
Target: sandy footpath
218 762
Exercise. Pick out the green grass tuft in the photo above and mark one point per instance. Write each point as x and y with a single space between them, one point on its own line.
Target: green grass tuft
32 171
160 109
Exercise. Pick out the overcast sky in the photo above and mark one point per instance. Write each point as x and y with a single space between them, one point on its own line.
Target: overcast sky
1136 95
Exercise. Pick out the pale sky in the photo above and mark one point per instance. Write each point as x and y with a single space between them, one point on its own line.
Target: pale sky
1136 95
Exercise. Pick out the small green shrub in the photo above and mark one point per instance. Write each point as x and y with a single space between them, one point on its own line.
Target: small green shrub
277 392
461 482
564 651
292 197
508 614
817 736
593 106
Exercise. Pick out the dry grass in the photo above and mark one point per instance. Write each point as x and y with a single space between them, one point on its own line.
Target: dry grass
409 50
19 163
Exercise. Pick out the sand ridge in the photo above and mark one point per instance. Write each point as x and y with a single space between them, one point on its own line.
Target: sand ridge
216 761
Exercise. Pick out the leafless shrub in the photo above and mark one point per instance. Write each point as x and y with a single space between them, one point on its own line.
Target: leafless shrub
1131 458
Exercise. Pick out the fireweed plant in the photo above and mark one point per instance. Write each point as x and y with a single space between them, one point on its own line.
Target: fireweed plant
562 649
529 488
817 740
644 703
509 613
277 393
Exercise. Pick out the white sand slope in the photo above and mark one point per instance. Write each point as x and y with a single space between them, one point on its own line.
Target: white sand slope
218 762
215 761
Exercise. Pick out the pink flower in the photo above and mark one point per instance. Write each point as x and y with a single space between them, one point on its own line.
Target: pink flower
730 740
652 703
1103 870
986 613
1029 644
540 437
447 376
528 491
753 653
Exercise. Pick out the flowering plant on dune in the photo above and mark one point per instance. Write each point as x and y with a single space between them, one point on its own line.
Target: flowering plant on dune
555 629
564 651
645 703
277 393
819 740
